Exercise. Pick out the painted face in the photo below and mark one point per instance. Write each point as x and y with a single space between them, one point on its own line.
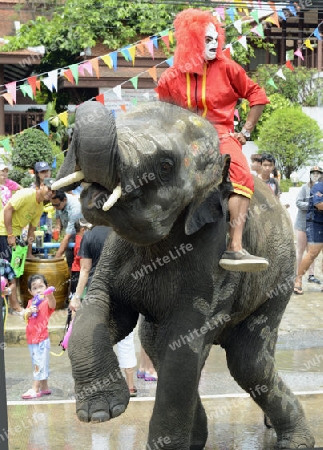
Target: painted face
211 42
315 176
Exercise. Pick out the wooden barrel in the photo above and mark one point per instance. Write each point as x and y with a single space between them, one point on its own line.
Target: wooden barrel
56 273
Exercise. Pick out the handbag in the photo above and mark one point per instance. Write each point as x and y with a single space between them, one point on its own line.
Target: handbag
18 258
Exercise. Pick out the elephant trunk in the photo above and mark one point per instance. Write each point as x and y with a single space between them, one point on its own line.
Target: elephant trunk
94 148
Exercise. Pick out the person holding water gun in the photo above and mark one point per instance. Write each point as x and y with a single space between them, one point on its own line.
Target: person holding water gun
37 314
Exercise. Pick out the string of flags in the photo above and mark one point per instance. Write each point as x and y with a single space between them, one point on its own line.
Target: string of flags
129 52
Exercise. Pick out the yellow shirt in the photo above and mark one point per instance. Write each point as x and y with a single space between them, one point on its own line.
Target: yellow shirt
26 210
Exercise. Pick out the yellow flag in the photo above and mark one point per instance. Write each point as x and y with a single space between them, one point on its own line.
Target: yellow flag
107 60
308 44
64 117
132 51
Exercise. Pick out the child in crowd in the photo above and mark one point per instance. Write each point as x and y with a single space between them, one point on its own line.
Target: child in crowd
37 318
7 186
43 170
81 226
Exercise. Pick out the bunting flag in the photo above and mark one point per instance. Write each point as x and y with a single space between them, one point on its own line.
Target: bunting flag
134 101
63 117
146 95
44 126
69 75
274 19
272 83
86 65
51 80
141 48
38 85
236 113
27 90
132 52
230 47
171 36
125 53
308 44
153 73
290 55
74 69
280 74
95 65
243 41
289 65
123 107
107 60
299 53
54 163
148 43
230 12
11 88
6 144
32 83
8 97
117 91
281 15
292 10
170 61
165 39
255 15
100 98
155 41
227 53
134 81
238 25
317 34
244 106
220 10
258 29
114 58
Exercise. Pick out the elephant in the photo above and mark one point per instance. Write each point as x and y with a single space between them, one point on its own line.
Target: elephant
156 176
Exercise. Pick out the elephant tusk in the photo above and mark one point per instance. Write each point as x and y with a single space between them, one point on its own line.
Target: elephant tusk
85 185
113 198
72 178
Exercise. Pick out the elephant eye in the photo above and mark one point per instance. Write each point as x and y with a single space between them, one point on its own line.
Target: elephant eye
166 169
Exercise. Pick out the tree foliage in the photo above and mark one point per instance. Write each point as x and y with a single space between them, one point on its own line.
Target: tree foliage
292 137
30 146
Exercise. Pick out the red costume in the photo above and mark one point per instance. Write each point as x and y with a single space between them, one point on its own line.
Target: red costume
210 89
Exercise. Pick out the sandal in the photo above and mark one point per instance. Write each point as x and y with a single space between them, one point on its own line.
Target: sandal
140 374
133 392
31 394
46 392
298 290
150 377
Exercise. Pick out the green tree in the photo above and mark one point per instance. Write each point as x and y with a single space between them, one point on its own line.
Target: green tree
30 146
292 137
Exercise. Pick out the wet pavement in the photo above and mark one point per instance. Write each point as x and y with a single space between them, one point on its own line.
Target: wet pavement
235 421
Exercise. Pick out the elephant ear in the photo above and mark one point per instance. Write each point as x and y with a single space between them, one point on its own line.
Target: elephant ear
212 208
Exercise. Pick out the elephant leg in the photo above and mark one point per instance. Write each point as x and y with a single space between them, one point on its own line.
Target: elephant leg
178 412
250 349
101 391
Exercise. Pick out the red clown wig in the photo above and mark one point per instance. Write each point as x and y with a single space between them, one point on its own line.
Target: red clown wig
190 27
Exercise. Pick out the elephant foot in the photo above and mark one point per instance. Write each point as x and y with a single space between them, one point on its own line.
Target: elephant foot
295 440
102 405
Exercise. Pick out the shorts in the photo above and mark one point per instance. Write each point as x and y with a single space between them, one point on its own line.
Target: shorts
240 175
314 232
40 359
126 352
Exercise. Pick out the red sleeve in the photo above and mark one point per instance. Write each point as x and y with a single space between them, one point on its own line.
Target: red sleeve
162 89
245 87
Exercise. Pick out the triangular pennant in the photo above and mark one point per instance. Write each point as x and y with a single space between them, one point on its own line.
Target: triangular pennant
64 118
238 25
69 75
230 47
54 163
258 29
155 41
86 65
292 10
227 53
44 126
38 85
274 19
123 107
32 83
134 81
236 113
243 41
171 36
146 95
51 80
74 69
125 53
272 83
107 60
289 65
153 73
255 15
280 74
281 14
12 89
220 11
8 97
170 61
114 57
230 12
134 101
117 91
95 65
244 106
100 98
317 34
299 53
148 43
163 33
290 55
165 39
141 48
307 43
27 90
132 52
6 144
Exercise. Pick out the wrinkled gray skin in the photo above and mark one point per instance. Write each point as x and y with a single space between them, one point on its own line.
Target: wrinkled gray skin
186 297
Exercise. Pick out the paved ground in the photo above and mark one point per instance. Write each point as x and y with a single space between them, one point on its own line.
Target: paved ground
238 426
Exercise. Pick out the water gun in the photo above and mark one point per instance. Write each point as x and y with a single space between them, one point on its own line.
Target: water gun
64 342
40 297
